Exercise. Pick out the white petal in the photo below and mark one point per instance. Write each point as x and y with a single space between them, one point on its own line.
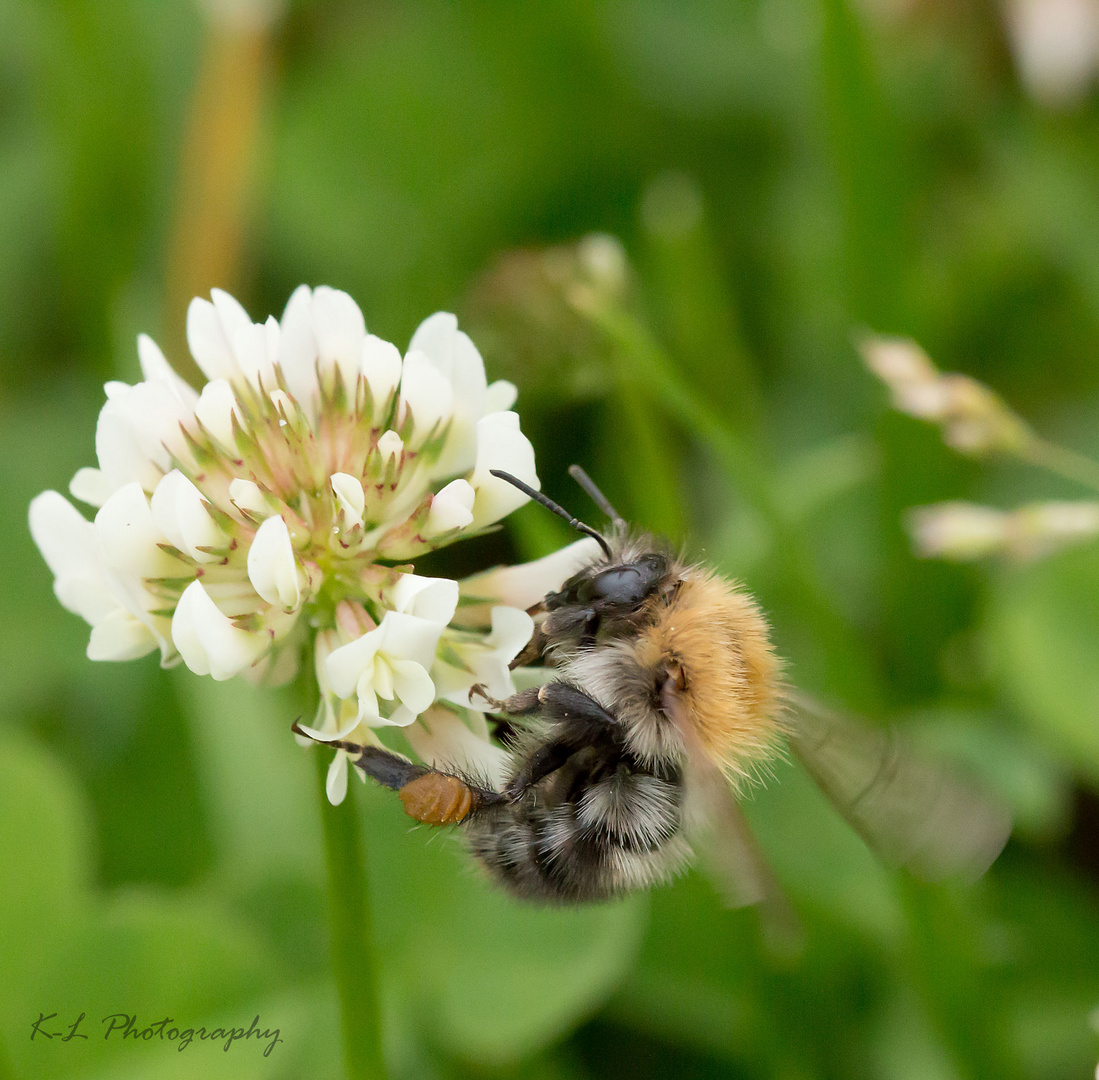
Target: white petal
434 337
470 392
457 359
491 671
215 409
272 334
413 685
501 445
155 368
329 736
390 446
408 637
90 486
67 542
350 497
181 514
298 347
500 396
208 641
425 393
272 567
468 375
59 531
128 538
207 341
335 784
156 416
121 458
120 636
524 585
235 321
428 598
339 330
379 683
368 700
230 311
451 508
511 630
400 717
381 364
346 664
248 495
250 343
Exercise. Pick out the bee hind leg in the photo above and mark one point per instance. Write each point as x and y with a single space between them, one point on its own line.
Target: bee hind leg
428 795
431 796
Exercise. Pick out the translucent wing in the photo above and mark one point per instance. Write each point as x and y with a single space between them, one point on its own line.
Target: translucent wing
912 812
724 842
732 860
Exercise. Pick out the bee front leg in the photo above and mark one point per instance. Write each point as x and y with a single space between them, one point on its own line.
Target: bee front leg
522 704
533 649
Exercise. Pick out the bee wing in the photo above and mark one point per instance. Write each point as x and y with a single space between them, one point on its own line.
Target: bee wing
725 845
733 861
912 812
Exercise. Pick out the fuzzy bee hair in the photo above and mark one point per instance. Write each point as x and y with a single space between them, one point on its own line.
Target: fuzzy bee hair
687 671
698 673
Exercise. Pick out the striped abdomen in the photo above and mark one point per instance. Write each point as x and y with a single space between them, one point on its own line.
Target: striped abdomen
600 826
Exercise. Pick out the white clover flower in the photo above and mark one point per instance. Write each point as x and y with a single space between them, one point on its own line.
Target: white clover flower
957 530
238 525
973 419
961 531
1056 47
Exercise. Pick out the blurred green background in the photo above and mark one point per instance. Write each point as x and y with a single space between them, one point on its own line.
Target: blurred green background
781 173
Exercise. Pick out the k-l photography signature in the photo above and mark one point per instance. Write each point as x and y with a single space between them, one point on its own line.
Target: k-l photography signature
121 1026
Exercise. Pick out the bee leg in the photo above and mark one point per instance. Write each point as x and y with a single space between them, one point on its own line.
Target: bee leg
564 703
533 649
579 721
521 704
428 795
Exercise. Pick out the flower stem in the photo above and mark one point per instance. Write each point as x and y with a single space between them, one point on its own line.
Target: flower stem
352 935
1062 462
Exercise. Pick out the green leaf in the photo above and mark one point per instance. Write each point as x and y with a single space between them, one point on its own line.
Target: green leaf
45 843
148 954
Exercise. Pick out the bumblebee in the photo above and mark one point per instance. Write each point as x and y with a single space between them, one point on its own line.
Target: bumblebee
666 700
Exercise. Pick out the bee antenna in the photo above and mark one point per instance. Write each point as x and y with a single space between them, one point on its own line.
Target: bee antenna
596 496
549 504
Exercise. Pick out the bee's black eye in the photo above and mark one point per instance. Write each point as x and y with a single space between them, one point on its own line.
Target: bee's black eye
619 585
625 586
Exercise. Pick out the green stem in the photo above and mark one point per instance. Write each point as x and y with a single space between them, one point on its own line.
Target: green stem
1062 462
352 935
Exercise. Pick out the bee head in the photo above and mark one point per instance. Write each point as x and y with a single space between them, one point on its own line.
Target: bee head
610 593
